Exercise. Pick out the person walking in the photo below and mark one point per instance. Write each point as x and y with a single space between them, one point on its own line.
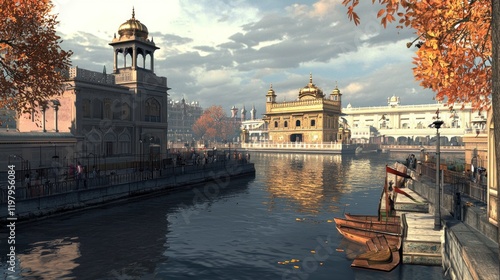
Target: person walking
79 173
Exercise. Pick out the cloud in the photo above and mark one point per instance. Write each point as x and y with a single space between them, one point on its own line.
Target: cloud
353 88
229 52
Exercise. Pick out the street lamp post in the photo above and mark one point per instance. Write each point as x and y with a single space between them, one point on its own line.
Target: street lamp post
140 157
437 204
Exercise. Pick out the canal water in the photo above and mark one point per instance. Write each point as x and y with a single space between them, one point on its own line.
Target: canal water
277 225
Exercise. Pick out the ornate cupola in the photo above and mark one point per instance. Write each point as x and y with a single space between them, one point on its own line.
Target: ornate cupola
133 41
133 27
393 101
310 91
336 95
270 98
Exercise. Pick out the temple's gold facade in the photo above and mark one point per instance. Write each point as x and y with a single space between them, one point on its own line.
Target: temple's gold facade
310 119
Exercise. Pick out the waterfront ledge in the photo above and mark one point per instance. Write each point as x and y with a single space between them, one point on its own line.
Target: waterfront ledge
46 205
469 250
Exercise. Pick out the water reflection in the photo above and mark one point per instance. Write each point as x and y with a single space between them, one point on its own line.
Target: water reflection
312 183
243 229
127 240
53 259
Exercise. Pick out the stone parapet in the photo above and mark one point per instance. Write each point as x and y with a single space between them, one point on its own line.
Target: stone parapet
83 198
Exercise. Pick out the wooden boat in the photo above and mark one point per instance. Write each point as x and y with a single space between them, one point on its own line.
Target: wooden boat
379 255
382 227
368 218
364 235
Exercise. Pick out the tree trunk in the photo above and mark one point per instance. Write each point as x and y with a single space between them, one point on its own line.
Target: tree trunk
495 35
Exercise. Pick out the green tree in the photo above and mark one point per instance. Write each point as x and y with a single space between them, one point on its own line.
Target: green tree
31 59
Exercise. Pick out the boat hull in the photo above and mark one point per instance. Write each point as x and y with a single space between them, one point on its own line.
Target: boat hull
380 227
379 255
362 236
368 218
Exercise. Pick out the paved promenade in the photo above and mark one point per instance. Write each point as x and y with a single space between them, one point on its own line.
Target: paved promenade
466 253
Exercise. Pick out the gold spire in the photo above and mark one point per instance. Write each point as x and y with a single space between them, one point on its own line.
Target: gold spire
133 12
271 90
310 78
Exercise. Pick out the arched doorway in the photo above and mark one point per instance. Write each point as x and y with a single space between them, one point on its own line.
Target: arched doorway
296 137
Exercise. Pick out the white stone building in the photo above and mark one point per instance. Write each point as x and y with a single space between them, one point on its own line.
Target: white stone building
409 124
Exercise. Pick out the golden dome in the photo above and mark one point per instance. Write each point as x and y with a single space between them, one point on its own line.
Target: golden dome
336 90
271 90
310 90
133 27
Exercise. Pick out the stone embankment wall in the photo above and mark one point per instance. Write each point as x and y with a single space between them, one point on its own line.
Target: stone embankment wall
56 203
469 239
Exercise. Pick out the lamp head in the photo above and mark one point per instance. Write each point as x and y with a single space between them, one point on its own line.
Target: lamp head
437 124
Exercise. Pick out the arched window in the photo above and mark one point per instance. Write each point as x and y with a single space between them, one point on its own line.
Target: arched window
313 122
297 123
152 110
117 110
97 109
286 124
93 142
275 123
126 112
108 114
124 144
109 144
86 108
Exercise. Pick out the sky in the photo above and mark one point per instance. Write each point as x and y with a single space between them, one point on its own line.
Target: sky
229 52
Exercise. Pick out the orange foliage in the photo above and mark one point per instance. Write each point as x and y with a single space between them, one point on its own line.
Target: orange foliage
31 59
455 52
213 124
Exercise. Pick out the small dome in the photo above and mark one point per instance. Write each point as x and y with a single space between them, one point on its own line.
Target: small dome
311 90
336 90
271 90
393 101
133 27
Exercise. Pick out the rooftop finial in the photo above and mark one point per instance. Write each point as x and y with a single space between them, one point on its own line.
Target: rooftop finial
310 77
133 12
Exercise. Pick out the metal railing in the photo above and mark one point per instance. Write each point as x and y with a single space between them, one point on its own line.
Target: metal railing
36 189
472 185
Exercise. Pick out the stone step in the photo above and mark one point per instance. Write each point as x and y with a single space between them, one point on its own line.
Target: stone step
412 207
422 259
421 247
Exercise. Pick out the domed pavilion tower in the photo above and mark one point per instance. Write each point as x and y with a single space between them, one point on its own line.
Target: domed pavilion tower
133 41
133 67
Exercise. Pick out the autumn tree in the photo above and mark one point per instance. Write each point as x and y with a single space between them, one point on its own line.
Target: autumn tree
454 51
214 124
31 58
458 54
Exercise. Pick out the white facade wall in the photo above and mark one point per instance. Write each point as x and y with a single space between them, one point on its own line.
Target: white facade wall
395 120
